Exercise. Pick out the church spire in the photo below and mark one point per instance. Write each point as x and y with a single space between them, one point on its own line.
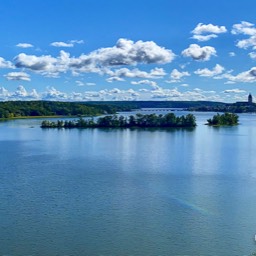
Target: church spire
250 98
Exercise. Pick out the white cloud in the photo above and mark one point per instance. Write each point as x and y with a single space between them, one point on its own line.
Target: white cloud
80 83
199 53
232 54
246 43
177 75
125 52
209 28
90 84
247 29
234 91
252 55
243 77
24 45
153 84
71 43
204 32
18 76
62 44
157 93
41 63
184 85
19 94
45 64
5 64
53 94
136 73
21 91
218 69
114 79
77 41
203 38
4 94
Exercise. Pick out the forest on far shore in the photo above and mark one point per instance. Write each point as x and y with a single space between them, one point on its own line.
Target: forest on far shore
16 109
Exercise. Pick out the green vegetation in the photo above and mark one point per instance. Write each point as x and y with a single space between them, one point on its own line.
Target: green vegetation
19 109
11 109
114 121
231 108
224 119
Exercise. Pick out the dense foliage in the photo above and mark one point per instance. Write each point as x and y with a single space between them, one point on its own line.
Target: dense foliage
231 108
129 105
139 120
224 119
10 109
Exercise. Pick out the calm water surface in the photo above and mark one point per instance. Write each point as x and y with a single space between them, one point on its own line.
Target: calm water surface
128 192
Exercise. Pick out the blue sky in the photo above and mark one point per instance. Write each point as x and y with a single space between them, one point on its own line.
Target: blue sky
84 50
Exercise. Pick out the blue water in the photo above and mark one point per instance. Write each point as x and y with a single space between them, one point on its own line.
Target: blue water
127 191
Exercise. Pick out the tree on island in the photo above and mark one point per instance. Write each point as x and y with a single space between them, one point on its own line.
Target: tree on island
115 121
224 119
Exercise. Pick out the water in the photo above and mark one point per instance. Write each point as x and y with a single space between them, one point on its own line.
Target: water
127 191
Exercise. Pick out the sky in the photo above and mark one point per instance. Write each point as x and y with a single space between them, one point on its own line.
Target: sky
99 50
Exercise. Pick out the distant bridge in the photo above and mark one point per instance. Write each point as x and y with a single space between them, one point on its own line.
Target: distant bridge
158 109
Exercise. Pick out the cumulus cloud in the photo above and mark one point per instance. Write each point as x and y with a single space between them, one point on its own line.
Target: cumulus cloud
24 45
21 91
157 93
41 63
19 94
199 53
125 52
153 84
5 64
136 73
62 44
176 75
205 32
4 94
232 54
248 76
18 76
45 64
53 94
218 69
245 28
248 29
209 28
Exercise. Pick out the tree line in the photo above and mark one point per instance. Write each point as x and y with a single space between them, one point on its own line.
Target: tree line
114 121
224 119
11 109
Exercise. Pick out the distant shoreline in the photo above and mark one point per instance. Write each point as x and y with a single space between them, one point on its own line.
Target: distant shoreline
51 109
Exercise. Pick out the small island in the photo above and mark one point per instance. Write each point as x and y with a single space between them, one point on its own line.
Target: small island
136 121
226 119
